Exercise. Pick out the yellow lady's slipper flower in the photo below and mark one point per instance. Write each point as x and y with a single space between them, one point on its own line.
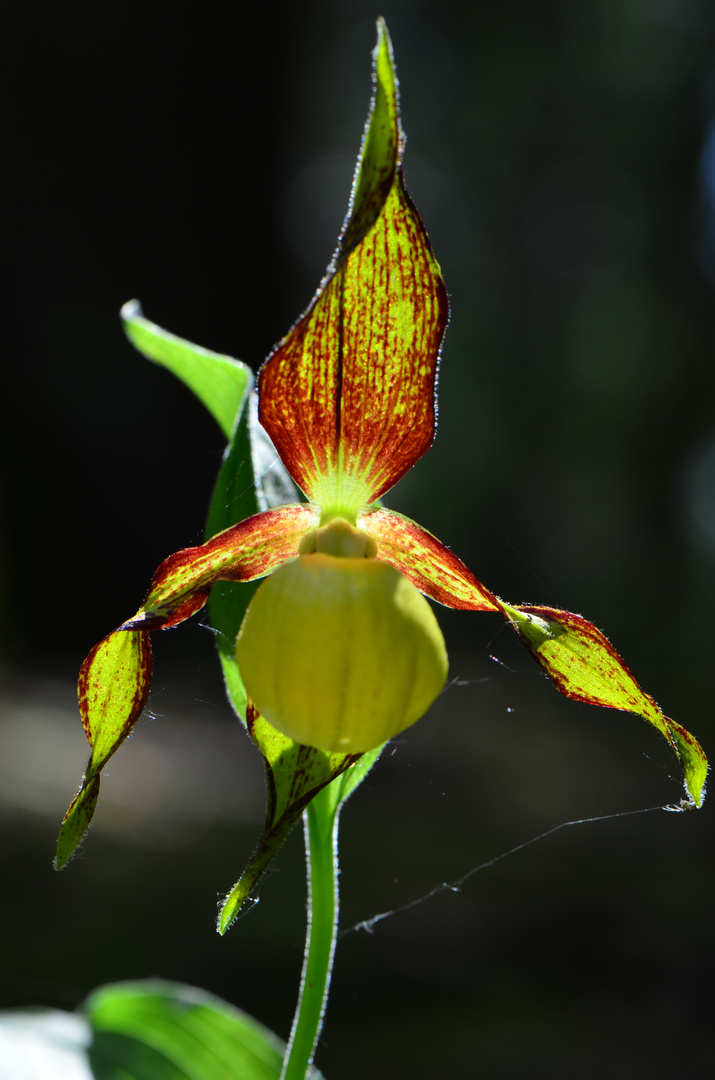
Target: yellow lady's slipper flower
338 649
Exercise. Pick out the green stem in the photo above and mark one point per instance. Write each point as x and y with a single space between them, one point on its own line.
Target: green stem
321 847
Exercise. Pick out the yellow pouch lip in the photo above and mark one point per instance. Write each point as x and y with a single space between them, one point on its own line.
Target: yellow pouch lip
340 653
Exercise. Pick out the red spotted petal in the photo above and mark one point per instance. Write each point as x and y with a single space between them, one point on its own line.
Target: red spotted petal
348 395
426 562
577 657
582 664
249 550
113 687
112 690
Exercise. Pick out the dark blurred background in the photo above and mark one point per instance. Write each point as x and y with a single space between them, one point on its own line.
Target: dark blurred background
563 158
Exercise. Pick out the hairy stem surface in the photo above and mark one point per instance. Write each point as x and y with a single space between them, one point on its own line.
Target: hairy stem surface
321 845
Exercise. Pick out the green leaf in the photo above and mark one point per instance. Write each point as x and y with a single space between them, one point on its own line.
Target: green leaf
346 783
167 1031
294 776
252 479
149 1030
115 678
219 382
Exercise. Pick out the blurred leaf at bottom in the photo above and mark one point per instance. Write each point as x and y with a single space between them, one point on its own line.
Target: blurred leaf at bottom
140 1031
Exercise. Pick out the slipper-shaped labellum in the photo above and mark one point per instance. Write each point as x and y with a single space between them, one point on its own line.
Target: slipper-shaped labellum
337 649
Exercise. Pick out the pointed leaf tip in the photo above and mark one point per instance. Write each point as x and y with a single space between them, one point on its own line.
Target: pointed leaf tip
219 382
295 774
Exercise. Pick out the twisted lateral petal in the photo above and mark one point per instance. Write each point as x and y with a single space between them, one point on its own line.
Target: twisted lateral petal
426 562
582 664
249 550
113 688
115 678
348 395
577 657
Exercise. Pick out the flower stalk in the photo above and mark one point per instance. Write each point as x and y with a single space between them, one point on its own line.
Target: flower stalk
320 823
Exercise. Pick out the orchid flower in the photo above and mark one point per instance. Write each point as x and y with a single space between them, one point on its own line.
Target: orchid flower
338 649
